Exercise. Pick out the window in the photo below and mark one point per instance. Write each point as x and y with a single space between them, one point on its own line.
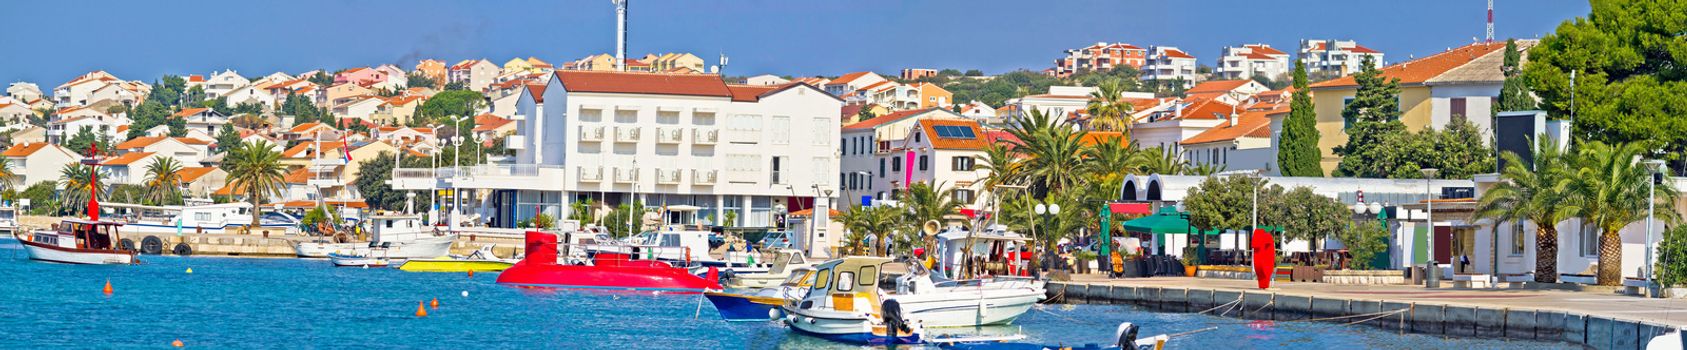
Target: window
964 196
962 163
1456 108
896 163
869 275
1346 122
1590 239
775 173
923 162
822 135
881 167
846 281
916 137
780 126
1517 238
822 279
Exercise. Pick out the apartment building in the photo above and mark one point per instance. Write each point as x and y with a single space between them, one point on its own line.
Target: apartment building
1169 64
869 169
1247 61
1336 57
1101 56
672 141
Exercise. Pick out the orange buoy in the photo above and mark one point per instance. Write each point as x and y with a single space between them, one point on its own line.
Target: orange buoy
434 304
420 310
177 343
107 287
471 273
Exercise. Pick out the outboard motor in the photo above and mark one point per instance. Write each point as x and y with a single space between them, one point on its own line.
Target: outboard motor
894 323
1127 335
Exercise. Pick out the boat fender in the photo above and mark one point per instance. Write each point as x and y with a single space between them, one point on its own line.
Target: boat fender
126 244
1127 335
727 275
773 314
151 245
182 249
894 323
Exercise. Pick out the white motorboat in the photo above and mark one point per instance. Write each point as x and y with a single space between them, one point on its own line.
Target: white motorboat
8 220
400 236
965 303
358 260
673 243
77 241
785 261
207 219
844 304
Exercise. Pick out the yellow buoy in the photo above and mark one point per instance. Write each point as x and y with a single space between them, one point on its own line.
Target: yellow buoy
421 311
107 287
190 271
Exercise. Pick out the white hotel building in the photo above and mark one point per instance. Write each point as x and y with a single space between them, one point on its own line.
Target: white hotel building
665 140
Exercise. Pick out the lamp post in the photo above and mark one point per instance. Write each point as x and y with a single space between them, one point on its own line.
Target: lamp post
1042 211
1652 177
1431 267
433 186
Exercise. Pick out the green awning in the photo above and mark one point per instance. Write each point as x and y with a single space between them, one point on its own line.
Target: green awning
1166 221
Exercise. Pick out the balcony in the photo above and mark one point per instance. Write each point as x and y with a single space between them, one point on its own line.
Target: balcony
668 176
515 142
703 177
591 133
670 135
626 175
705 137
627 134
591 174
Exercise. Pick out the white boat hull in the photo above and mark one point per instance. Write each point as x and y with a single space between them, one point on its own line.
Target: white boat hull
422 249
357 261
42 252
969 306
844 327
164 229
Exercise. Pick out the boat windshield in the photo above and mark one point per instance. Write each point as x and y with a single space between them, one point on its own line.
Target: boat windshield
798 279
8 214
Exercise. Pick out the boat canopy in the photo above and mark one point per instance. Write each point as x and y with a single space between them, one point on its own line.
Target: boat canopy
997 233
848 275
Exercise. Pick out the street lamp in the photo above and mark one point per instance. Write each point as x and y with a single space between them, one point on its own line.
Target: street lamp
1652 177
1431 268
1042 210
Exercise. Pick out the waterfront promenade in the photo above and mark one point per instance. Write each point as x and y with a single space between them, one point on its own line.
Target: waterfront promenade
1597 302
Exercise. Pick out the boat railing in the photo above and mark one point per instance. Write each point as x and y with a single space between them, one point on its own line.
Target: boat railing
636 252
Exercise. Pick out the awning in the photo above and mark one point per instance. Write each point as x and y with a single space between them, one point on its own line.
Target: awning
1167 221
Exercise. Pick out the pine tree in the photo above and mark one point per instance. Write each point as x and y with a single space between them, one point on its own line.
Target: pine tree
1298 153
1372 119
1514 95
1377 99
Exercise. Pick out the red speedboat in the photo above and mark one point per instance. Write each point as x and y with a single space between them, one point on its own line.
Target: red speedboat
603 271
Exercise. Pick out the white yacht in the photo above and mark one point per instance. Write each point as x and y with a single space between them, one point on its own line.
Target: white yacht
208 219
392 236
844 304
965 303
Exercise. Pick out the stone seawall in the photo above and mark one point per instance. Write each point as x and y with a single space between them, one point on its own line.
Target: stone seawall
1596 331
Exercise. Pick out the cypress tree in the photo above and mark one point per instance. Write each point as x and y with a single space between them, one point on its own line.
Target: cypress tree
1297 152
1514 95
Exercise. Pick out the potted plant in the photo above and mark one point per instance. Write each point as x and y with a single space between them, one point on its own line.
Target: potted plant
1188 259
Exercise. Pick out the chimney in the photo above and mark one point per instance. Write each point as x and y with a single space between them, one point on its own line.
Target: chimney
1233 119
1177 109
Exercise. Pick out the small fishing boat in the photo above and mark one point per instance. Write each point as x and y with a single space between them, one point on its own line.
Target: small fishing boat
785 261
843 304
1125 337
357 260
604 270
8 220
965 303
77 241
761 304
480 260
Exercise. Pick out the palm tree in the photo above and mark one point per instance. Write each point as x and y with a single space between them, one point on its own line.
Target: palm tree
164 181
1052 149
74 180
1533 192
1108 109
1160 161
1610 186
7 177
927 202
255 168
876 221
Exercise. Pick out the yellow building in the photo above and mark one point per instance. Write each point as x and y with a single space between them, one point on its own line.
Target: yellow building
517 65
1460 83
932 95
433 69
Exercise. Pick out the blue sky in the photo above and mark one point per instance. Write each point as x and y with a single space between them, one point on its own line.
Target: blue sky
145 39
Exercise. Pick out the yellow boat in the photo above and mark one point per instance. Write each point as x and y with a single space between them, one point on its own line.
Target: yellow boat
454 265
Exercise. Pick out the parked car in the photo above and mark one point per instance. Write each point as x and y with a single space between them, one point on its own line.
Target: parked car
776 240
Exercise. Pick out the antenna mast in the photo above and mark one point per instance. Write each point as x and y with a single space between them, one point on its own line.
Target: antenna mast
1490 20
620 34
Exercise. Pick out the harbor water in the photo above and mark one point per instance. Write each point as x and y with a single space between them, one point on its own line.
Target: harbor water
292 303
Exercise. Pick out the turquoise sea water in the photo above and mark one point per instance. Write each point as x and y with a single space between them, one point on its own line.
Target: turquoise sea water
289 303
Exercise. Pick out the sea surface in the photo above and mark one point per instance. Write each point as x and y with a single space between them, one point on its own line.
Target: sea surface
245 303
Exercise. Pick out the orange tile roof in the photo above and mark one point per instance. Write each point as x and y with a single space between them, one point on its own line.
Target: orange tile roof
489 124
1361 49
403 100
306 127
139 142
888 118
1258 56
126 159
1264 49
1177 54
938 142
24 150
1095 137
1216 86
849 77
1422 69
194 173
850 110
810 212
644 83
190 112
538 92
195 78
297 176
1208 109
750 93
1248 124
299 150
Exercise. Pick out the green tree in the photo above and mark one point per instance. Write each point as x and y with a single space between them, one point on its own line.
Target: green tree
1224 203
1630 82
194 96
41 196
81 140
1387 150
617 219
927 202
76 181
163 182
1610 191
1514 94
148 115
581 211
8 177
168 91
1052 148
371 181
1160 161
878 222
1304 215
1536 191
1108 109
254 168
227 138
1672 258
416 79
1364 240
1298 153
322 78
458 103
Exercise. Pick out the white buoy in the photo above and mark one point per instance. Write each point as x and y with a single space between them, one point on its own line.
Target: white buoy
465 294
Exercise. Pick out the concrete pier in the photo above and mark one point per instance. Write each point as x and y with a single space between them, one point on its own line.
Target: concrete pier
1596 320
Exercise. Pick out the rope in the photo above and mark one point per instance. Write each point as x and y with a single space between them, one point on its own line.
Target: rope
1175 335
1069 319
1391 313
1061 296
1232 302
